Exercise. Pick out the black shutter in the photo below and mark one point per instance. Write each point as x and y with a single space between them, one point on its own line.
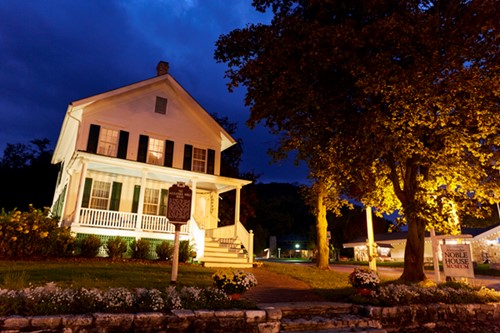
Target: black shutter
163 202
211 161
169 153
142 153
116 193
123 145
135 200
86 192
188 156
93 138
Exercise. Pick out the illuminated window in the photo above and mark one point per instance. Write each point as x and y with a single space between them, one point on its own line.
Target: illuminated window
108 142
151 201
199 159
155 151
99 198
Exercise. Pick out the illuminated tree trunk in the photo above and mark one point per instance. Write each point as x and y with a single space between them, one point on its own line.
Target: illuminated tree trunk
414 252
321 230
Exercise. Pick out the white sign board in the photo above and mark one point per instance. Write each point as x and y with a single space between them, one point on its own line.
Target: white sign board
457 260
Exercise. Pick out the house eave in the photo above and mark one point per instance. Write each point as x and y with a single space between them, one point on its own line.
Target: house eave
173 175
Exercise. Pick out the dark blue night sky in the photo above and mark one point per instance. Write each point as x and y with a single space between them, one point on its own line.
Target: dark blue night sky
53 52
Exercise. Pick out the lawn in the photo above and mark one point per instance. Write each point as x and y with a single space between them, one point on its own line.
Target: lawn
104 273
100 273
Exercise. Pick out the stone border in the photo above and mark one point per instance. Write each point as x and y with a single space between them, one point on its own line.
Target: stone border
435 317
265 321
464 317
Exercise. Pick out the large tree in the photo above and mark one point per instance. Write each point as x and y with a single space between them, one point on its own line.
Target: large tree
394 103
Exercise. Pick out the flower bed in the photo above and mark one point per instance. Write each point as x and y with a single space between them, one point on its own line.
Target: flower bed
234 282
363 278
50 299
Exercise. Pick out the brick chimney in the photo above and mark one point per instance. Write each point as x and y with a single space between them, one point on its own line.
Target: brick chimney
162 68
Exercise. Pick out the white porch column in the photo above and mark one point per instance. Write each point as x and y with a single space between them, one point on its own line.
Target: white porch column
237 210
193 199
83 175
140 208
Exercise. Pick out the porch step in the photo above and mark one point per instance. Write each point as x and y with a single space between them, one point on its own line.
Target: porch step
224 253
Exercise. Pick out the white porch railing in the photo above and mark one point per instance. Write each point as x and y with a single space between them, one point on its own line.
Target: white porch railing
128 221
235 231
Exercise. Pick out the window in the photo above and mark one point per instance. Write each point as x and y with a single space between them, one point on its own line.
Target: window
199 159
155 151
99 197
108 142
161 105
151 201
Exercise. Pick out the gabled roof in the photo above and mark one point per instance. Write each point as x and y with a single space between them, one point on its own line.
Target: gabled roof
74 111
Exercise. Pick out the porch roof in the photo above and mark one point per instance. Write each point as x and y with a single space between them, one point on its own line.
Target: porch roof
130 168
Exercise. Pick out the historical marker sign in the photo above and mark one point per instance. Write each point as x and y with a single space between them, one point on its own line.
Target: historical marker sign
179 203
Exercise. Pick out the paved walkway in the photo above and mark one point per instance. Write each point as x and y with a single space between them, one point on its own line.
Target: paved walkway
275 288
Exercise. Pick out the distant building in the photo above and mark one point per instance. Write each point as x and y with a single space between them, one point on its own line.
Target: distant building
485 245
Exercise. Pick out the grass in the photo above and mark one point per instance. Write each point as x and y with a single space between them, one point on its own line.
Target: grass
101 274
329 284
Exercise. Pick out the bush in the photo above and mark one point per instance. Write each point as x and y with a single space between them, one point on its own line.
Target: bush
116 247
186 251
165 250
140 249
61 244
32 234
89 246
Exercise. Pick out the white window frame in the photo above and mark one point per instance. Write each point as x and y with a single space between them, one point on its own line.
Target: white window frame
108 142
156 151
100 195
151 201
199 160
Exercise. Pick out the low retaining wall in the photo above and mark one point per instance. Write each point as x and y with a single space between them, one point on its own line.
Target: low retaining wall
176 321
433 317
436 317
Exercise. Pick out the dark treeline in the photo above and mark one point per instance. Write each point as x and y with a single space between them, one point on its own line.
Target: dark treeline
27 176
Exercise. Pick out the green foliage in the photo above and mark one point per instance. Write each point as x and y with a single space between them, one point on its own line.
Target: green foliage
397 294
165 250
116 247
89 246
186 251
32 234
392 105
140 248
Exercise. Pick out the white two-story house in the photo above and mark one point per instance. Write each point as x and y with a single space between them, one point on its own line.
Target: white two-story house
121 151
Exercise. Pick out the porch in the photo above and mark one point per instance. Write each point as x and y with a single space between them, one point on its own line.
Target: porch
228 246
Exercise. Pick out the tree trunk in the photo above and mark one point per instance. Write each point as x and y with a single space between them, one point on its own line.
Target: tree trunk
323 261
414 252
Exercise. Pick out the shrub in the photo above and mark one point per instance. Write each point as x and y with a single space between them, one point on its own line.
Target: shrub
60 244
116 247
234 282
186 251
140 248
165 250
364 278
89 246
31 234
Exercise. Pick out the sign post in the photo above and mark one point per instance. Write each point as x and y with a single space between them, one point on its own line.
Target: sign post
178 213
